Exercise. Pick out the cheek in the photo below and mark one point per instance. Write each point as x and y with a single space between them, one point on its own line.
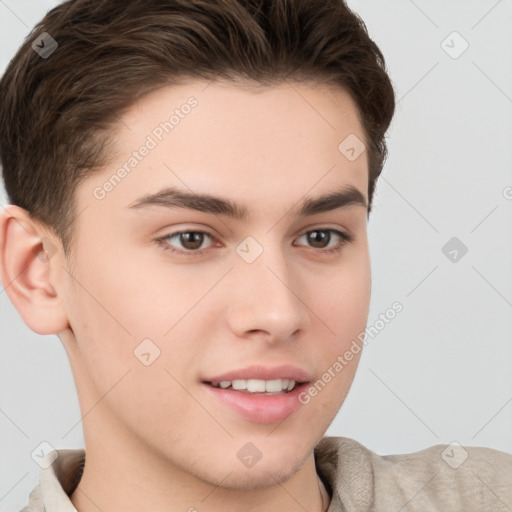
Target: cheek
345 298
122 352
124 317
345 304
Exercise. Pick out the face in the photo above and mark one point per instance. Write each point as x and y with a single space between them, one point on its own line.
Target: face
190 314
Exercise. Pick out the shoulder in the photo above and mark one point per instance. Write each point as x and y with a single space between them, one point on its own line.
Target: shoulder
436 478
35 501
60 473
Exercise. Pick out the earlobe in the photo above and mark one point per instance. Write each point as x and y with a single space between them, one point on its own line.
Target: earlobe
26 256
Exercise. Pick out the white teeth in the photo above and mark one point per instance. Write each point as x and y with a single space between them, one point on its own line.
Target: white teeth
258 385
239 384
273 386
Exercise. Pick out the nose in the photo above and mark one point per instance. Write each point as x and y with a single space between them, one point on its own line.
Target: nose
268 300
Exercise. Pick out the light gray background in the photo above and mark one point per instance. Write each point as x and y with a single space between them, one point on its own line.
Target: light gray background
441 370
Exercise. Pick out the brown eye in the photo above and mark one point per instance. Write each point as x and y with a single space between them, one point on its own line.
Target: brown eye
318 239
322 239
185 242
191 240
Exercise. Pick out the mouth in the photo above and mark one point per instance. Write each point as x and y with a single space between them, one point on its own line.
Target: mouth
259 394
257 386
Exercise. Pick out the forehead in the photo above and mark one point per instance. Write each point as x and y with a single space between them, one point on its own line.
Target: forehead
273 143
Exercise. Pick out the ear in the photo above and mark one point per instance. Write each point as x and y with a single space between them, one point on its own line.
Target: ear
26 257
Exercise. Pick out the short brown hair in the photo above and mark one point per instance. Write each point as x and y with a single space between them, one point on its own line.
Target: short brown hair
56 113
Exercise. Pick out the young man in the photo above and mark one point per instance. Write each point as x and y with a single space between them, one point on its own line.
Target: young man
190 184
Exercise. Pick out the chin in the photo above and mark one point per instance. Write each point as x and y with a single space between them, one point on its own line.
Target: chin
249 479
275 467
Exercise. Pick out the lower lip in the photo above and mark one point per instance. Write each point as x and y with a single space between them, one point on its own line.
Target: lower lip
258 407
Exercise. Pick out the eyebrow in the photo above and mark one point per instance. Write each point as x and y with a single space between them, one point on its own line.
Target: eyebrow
171 197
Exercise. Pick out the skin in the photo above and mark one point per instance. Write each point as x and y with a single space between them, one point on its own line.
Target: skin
153 431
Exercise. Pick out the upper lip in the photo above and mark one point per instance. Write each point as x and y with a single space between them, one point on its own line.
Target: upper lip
261 372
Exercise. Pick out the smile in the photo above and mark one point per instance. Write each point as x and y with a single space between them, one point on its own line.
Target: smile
274 386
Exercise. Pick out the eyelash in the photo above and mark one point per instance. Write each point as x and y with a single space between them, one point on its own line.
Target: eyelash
345 238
